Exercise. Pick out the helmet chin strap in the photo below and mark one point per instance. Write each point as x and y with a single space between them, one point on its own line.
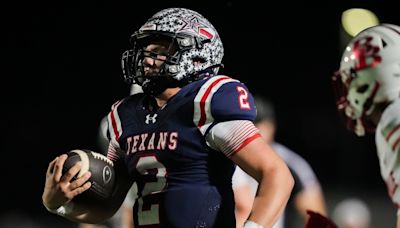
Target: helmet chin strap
155 85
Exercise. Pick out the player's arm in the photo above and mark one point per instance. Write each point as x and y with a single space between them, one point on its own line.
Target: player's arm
224 110
259 160
240 141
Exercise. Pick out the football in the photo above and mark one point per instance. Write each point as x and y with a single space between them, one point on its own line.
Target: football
102 178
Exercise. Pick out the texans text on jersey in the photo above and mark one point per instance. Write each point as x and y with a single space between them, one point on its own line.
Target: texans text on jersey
152 141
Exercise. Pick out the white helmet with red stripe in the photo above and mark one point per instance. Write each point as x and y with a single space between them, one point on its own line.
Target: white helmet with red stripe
369 75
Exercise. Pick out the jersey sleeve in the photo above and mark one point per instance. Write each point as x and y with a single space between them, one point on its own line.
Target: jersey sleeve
230 137
114 132
221 99
224 112
233 101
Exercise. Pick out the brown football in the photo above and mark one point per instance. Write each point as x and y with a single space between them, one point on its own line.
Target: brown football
102 170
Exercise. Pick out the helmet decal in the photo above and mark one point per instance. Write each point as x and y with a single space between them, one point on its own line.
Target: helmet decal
196 26
366 53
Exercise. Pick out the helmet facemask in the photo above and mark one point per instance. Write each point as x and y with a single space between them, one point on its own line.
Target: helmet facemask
355 93
134 63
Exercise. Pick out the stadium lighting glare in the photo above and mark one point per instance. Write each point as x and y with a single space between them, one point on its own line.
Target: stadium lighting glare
357 19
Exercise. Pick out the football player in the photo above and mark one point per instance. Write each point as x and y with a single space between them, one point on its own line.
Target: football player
367 94
180 139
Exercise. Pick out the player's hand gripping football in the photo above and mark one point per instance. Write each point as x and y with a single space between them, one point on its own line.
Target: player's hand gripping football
61 189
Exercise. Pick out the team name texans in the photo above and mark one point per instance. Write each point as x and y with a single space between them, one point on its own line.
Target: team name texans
154 141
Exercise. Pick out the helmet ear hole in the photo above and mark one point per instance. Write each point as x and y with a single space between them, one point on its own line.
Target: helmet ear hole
384 44
198 60
362 89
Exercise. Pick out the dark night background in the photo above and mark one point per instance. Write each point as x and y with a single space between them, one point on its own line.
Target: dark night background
62 73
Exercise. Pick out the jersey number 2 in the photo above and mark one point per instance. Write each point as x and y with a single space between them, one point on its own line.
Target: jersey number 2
149 212
243 98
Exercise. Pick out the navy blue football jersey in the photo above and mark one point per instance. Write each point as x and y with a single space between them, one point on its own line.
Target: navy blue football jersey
182 182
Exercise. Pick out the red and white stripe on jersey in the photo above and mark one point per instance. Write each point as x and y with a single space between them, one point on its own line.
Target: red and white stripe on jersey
114 123
202 117
393 137
112 152
231 136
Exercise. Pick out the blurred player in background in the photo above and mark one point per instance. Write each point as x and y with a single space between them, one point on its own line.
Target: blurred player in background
367 88
307 192
180 139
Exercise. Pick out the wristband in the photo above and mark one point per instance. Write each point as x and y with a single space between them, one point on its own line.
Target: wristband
62 210
251 224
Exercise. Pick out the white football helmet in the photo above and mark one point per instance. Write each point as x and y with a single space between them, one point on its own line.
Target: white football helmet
369 75
193 38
